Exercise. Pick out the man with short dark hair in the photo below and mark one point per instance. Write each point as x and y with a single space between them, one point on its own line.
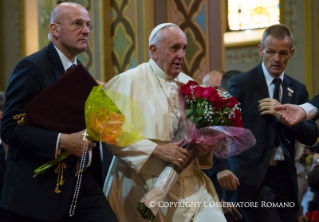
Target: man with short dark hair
266 172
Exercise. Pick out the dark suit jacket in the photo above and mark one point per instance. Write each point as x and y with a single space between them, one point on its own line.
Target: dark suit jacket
2 166
251 166
315 102
30 147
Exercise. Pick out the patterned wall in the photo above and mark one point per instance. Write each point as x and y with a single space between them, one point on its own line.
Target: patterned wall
123 31
191 17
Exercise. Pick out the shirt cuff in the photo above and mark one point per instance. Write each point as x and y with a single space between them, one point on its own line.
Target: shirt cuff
57 149
311 111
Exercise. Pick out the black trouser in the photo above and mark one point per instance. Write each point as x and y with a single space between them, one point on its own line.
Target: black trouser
276 188
92 206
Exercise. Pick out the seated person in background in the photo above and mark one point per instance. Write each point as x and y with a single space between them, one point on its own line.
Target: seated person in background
213 78
226 77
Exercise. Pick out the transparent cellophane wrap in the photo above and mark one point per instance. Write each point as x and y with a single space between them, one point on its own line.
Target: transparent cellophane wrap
107 122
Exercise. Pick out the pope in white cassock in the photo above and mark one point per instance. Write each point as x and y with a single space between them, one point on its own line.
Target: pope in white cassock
135 168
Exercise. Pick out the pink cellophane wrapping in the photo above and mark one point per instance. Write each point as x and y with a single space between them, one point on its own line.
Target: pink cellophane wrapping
160 189
225 140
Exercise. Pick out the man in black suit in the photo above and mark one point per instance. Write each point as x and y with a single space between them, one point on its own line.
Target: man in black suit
291 114
266 172
35 199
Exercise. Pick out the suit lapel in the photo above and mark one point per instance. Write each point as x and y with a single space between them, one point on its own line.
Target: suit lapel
287 91
260 83
57 66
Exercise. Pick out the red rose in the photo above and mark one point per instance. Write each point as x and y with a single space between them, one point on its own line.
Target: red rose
236 116
185 89
238 123
198 92
231 102
208 92
213 98
219 103
191 83
236 119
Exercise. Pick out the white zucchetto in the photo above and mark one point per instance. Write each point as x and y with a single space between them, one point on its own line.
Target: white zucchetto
156 29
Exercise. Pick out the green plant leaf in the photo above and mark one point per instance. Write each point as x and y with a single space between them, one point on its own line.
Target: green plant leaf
197 119
188 112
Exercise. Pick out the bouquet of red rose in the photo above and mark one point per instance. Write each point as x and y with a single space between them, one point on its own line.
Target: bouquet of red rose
210 117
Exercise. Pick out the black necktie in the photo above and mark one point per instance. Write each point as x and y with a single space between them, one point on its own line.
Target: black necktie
276 82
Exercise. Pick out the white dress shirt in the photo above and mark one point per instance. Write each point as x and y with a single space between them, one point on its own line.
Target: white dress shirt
278 153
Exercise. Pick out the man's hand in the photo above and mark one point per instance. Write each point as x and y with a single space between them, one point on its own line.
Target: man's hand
74 143
231 213
227 180
101 83
172 153
290 114
267 106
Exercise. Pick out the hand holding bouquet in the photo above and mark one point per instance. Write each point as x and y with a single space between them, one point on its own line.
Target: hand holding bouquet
209 117
104 122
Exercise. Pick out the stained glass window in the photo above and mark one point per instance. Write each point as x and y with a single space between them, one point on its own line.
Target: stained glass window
252 14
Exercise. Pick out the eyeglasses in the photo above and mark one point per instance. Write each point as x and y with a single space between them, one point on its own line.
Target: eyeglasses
79 25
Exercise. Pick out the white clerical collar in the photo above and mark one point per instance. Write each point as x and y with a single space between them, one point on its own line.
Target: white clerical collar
158 71
269 78
65 61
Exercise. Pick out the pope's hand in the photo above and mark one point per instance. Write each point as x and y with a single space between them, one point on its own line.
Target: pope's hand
73 143
172 153
227 180
290 114
267 106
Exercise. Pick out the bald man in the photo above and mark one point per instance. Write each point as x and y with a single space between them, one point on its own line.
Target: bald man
35 199
213 78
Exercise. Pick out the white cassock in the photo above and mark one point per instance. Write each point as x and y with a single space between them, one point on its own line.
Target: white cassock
134 171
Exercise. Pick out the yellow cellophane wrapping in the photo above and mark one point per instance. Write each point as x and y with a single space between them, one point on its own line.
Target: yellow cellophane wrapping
107 122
